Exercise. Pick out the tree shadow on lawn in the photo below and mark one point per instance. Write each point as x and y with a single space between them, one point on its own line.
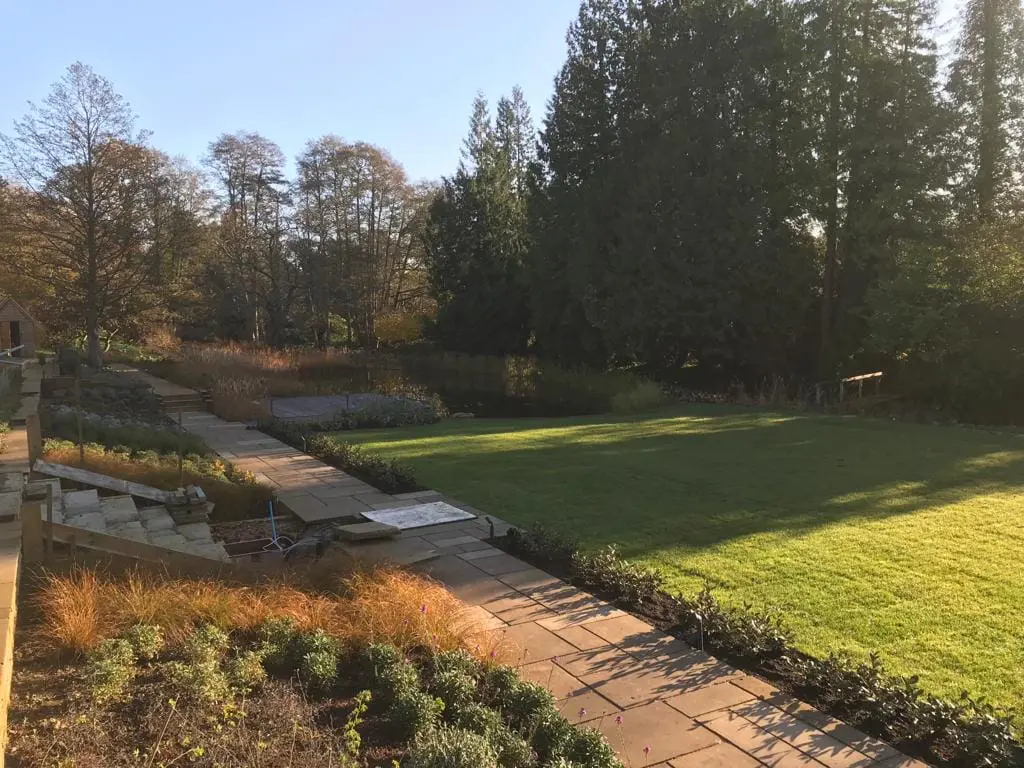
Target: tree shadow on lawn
702 479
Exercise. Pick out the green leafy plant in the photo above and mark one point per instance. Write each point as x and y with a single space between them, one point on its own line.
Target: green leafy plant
110 669
513 750
277 638
245 671
606 570
527 704
498 684
5 431
455 688
478 718
447 747
352 742
589 748
459 660
741 632
207 643
319 670
553 737
146 640
413 712
204 681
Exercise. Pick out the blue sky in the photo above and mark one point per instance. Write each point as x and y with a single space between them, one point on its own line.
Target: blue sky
401 74
398 73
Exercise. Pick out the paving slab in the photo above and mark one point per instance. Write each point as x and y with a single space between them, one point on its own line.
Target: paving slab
586 706
709 698
801 735
654 733
502 564
581 637
530 642
554 678
361 531
716 756
758 743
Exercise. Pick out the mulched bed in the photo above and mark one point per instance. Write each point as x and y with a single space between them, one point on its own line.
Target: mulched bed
53 722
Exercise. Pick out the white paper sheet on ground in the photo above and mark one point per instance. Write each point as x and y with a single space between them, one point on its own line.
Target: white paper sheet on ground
419 516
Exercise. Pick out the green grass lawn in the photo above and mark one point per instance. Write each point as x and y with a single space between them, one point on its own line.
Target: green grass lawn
868 535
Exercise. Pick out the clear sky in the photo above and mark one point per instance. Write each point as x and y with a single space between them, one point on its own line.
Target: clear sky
397 73
401 74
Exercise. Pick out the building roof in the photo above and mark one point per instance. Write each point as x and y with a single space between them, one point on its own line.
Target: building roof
7 301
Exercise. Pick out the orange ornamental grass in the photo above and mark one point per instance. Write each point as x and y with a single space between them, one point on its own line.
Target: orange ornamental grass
384 605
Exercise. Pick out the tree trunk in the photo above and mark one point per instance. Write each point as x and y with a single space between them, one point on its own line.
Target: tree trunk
988 145
832 192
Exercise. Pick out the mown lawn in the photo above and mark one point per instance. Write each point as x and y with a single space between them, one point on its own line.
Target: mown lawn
868 535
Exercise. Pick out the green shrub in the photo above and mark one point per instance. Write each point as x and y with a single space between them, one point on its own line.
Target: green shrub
206 644
512 749
645 396
527 705
589 748
744 633
608 571
277 639
316 641
245 671
319 670
397 680
459 659
454 687
144 442
447 747
146 640
110 669
413 712
499 683
203 680
553 737
478 719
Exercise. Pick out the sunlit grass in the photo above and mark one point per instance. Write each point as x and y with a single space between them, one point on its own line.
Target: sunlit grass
869 535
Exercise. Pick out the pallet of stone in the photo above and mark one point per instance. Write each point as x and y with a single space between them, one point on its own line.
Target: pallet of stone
189 505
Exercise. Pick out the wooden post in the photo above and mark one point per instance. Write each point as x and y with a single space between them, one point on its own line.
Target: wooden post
35 437
49 520
31 531
78 414
181 452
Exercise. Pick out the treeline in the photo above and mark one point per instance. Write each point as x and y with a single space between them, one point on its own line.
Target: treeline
751 189
107 238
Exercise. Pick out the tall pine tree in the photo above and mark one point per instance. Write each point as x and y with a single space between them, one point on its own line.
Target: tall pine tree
986 87
477 235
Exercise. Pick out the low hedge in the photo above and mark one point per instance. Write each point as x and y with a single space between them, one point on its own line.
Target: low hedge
447 709
388 476
967 733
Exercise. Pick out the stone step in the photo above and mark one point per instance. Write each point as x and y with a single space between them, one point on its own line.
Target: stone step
118 510
81 502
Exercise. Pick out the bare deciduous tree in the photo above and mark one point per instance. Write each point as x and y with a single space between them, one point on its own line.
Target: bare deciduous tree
86 170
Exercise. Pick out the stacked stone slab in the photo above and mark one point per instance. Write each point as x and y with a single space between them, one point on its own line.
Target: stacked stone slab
119 516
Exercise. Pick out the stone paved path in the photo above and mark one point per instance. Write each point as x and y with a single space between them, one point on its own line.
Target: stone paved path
657 700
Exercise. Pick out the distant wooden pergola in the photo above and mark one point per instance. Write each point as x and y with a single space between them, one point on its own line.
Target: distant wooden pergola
17 330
